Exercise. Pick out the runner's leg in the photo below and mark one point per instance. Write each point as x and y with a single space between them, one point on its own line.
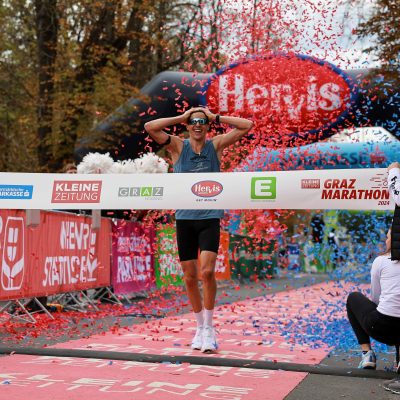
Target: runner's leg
207 268
192 284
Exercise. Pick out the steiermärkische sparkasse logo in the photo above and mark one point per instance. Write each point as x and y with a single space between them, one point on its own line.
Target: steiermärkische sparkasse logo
22 192
148 192
310 183
76 192
263 188
207 189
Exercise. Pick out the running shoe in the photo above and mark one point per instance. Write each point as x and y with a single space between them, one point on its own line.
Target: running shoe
386 384
368 360
209 341
393 386
197 341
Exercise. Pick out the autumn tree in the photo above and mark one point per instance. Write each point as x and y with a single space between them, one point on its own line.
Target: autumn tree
382 26
68 64
17 88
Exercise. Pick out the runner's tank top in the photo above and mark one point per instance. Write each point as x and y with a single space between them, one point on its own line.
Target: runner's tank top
206 161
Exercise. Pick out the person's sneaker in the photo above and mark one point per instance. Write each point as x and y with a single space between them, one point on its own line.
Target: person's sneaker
386 384
209 340
197 341
368 360
394 386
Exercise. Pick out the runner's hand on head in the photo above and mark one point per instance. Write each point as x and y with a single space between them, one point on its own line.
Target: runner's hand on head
185 115
210 115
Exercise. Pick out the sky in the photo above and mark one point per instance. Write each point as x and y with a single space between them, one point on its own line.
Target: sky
320 28
336 41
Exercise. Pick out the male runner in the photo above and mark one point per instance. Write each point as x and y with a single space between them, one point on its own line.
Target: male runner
199 229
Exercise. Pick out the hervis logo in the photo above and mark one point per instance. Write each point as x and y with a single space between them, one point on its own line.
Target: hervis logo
291 94
263 188
207 189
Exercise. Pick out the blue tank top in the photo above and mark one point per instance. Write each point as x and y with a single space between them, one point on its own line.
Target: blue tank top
206 161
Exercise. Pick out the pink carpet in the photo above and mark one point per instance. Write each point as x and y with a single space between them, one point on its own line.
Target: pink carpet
249 329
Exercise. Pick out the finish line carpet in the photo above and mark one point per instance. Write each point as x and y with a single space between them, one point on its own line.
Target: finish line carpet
253 329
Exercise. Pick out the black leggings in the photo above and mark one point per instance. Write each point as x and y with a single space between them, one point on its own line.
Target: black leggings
367 321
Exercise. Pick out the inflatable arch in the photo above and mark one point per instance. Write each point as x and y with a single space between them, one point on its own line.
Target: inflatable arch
301 99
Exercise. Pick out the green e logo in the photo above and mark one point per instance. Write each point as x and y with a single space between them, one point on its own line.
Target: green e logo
263 188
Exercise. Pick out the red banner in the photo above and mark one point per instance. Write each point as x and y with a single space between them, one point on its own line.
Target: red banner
132 257
222 267
63 254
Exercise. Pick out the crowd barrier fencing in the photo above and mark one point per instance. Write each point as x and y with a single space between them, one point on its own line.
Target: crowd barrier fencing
63 256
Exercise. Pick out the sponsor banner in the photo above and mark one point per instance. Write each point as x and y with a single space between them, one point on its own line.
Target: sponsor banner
76 192
132 257
62 254
68 255
222 267
168 270
16 191
352 189
13 250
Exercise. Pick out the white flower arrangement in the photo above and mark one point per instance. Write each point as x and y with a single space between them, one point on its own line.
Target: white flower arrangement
97 163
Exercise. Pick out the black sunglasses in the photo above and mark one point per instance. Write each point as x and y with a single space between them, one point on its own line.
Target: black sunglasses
201 121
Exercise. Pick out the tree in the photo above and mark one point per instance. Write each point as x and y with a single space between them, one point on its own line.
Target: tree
69 64
46 36
18 88
383 28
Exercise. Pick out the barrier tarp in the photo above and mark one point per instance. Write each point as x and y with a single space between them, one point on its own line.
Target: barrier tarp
62 254
132 257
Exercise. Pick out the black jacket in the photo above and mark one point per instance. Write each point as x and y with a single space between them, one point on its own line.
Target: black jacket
395 241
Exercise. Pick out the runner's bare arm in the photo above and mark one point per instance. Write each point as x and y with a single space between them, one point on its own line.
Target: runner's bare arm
240 127
155 129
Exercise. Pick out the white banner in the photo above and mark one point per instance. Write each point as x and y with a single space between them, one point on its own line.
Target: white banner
357 189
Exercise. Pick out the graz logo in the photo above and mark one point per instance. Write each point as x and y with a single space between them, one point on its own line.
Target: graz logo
310 183
207 189
12 261
144 191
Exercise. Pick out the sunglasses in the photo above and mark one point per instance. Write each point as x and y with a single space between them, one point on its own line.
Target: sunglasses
200 121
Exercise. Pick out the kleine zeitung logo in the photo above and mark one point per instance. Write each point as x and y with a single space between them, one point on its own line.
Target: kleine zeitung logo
76 192
207 189
310 183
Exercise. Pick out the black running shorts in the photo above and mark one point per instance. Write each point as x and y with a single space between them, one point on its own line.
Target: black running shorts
195 234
